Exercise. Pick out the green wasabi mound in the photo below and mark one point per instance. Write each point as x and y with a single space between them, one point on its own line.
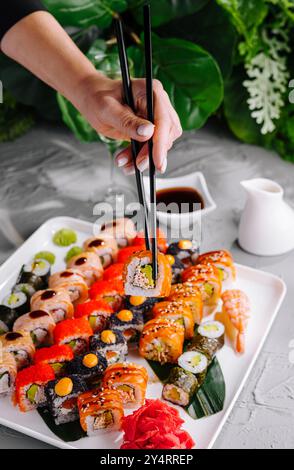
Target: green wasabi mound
65 237
74 251
46 255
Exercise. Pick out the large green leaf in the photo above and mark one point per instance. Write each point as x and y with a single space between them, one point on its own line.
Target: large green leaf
190 76
245 14
68 432
211 29
163 11
84 13
209 398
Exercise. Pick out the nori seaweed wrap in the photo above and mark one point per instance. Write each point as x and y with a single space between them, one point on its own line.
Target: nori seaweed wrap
36 274
129 323
18 302
209 339
140 304
186 251
180 386
26 288
7 318
111 344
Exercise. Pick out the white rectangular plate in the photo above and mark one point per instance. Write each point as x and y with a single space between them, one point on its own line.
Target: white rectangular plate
266 293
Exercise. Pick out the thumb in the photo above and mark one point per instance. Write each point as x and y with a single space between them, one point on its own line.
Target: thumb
123 120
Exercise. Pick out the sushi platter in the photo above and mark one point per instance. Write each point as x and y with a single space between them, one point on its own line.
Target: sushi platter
87 373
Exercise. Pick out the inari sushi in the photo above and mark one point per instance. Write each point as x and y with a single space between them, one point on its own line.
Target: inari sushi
8 371
97 312
100 411
138 277
162 340
235 315
21 345
180 386
56 356
130 380
105 247
29 386
62 398
39 324
73 281
178 312
111 292
123 230
56 301
74 332
190 294
128 322
89 264
223 261
111 344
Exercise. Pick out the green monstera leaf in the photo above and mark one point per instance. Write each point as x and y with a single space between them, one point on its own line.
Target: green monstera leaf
162 11
83 13
190 76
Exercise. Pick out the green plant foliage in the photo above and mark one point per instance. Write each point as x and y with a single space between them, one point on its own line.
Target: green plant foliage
15 119
83 13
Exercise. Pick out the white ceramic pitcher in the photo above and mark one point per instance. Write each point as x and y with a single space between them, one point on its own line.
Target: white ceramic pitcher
267 222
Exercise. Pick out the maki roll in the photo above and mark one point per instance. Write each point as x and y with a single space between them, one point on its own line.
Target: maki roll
54 301
130 380
105 247
128 322
162 340
125 253
56 356
210 338
114 272
178 312
196 363
177 268
180 386
185 250
89 366
89 264
138 277
223 261
27 289
39 324
111 292
111 344
72 280
100 411
97 312
18 302
35 273
141 304
30 384
123 230
20 344
62 398
7 318
75 333
191 295
8 371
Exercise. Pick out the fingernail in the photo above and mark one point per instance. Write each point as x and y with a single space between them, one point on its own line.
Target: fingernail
145 130
143 165
121 160
163 166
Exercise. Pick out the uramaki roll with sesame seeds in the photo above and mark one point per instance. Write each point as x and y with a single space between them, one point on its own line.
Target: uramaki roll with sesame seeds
162 340
192 296
178 312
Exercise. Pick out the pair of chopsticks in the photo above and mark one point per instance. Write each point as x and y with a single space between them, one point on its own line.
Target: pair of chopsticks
129 99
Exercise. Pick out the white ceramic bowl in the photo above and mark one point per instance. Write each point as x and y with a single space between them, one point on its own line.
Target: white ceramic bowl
195 181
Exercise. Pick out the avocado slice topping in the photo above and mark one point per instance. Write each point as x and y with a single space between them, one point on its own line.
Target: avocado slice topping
32 392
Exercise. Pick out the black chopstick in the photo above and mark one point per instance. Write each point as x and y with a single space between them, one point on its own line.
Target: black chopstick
150 117
128 96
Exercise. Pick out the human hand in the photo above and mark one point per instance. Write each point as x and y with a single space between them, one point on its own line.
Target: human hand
104 108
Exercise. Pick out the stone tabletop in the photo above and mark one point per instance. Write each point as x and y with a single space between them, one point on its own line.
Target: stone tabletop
48 173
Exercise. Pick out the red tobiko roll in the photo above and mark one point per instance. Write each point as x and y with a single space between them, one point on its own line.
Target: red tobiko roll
155 425
29 386
113 272
56 353
125 253
110 292
75 333
162 244
97 313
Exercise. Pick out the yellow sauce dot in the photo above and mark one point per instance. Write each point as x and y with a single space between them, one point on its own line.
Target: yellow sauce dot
125 315
90 360
185 244
63 387
137 300
170 259
107 336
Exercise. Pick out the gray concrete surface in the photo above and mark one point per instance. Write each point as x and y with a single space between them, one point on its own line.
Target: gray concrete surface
47 173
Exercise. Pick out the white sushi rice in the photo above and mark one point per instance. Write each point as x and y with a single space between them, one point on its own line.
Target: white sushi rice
211 329
193 361
132 277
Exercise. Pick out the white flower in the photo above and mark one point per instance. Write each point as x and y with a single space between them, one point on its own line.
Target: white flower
267 80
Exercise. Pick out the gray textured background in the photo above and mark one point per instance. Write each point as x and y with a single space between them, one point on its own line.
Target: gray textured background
47 173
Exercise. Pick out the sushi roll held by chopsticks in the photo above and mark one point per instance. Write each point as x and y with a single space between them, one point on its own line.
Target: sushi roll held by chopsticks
138 275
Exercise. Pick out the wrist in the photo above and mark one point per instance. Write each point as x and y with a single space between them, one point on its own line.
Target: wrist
88 86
